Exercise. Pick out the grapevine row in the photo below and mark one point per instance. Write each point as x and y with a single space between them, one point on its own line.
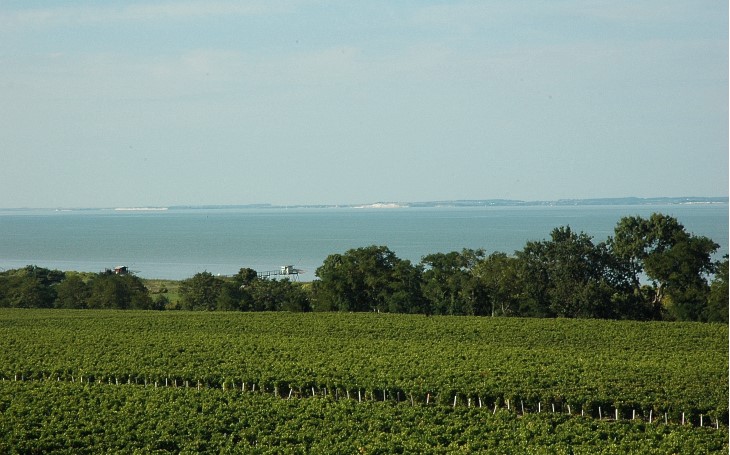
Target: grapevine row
284 390
65 417
650 367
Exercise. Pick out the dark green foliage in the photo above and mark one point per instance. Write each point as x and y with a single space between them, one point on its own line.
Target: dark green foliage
231 297
449 285
676 261
644 366
717 305
245 276
405 293
29 287
46 277
243 292
566 276
161 302
502 283
281 295
71 418
35 287
200 292
72 292
122 292
366 279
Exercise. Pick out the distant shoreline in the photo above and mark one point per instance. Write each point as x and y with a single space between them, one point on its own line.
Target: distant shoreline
478 203
458 203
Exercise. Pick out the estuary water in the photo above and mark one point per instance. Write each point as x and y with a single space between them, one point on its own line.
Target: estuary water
177 243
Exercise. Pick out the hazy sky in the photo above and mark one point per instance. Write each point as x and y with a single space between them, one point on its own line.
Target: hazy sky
122 103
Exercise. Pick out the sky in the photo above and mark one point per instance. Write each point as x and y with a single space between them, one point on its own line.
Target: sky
159 103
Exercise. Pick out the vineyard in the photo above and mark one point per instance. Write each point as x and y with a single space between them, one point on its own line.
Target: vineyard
338 382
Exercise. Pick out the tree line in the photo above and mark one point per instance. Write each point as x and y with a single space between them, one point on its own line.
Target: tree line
650 269
38 287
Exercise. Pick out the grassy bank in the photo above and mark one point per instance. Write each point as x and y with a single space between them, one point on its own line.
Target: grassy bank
168 288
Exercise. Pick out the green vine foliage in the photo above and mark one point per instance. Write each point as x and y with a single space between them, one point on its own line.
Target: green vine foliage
61 417
644 367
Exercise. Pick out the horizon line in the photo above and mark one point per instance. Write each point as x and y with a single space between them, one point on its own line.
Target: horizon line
626 200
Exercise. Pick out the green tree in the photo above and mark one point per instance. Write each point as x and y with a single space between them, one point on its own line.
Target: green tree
499 275
676 262
296 298
161 302
245 276
566 276
448 283
334 291
139 295
47 277
278 295
200 292
230 297
29 292
405 294
29 287
361 279
717 304
106 292
122 292
72 292
235 294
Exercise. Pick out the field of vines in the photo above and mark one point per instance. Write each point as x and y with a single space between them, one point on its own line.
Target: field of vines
91 381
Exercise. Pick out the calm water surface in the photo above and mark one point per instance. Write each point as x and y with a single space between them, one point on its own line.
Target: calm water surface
178 243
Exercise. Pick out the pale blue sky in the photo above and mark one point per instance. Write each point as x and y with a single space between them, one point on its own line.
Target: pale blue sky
106 104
